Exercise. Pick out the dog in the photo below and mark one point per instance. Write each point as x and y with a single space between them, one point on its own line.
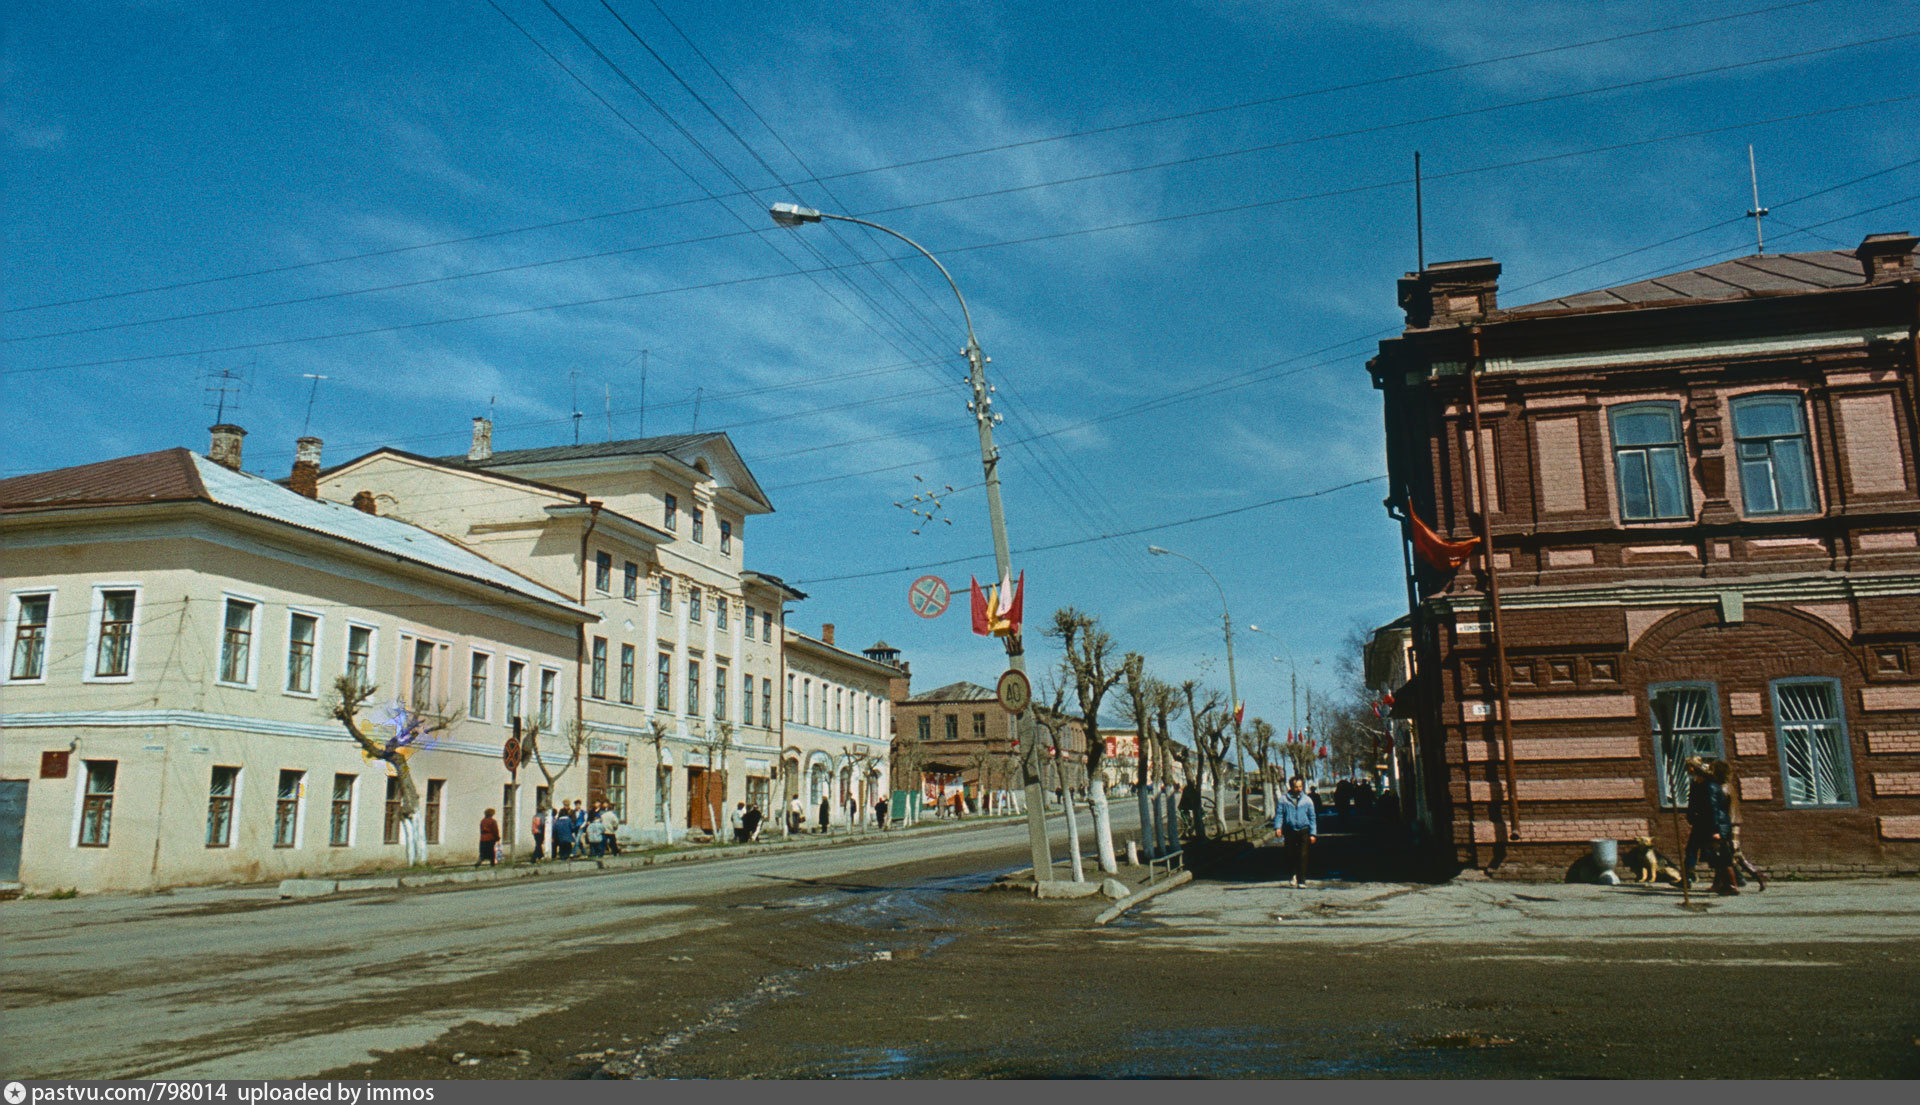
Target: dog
1647 864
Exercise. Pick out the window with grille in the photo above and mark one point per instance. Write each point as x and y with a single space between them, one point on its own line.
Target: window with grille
96 803
236 642
1816 766
1649 463
286 809
1776 465
1694 731
340 813
115 655
220 793
30 637
303 631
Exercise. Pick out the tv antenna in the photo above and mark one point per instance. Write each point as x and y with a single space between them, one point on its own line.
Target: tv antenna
607 393
643 393
312 394
1758 212
575 377
696 408
224 385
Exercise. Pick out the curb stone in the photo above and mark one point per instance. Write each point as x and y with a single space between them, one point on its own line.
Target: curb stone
1178 878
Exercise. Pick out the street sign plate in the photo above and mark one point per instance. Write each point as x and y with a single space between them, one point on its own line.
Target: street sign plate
510 753
929 596
1015 692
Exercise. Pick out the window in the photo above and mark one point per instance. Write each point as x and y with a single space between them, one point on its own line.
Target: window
693 604
549 690
719 692
693 687
359 653
837 716
617 789
436 806
603 572
422 682
766 702
598 687
720 605
340 815
699 526
663 682
953 727
303 632
673 513
726 538
286 809
746 700
789 713
220 793
1695 731
662 793
479 671
666 594
925 727
96 803
1776 467
31 614
806 702
1647 462
630 581
390 825
979 727
626 674
766 627
749 625
516 689
113 656
1816 768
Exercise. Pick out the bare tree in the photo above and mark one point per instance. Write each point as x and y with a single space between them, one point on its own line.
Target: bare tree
664 806
412 731
720 742
1054 720
1211 741
1262 747
1089 659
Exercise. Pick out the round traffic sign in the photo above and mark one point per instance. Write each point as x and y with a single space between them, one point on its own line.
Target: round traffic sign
929 596
510 753
1014 691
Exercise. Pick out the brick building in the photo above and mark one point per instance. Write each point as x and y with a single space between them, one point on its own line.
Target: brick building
1701 491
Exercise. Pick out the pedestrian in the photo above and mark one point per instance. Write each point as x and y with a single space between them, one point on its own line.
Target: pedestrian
563 834
1295 822
880 814
796 815
737 821
750 822
1191 811
489 840
1699 816
1741 864
596 837
610 821
826 815
539 835
1314 794
1720 855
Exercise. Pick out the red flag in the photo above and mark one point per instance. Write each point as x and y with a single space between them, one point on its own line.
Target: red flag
981 625
1435 549
1014 609
1239 711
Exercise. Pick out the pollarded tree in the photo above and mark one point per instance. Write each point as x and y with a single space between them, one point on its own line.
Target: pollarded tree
1211 741
412 731
1053 718
1088 658
1263 748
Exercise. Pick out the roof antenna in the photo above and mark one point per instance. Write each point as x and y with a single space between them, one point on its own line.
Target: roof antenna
225 387
1419 218
1758 211
696 409
607 391
575 376
643 393
311 396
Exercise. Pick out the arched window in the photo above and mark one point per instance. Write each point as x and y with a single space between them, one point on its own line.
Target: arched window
1776 465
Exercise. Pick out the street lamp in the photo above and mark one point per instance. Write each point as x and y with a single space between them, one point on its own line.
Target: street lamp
1233 684
794 216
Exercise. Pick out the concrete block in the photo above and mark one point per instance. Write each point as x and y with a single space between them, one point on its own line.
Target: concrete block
1058 888
1114 888
348 886
307 888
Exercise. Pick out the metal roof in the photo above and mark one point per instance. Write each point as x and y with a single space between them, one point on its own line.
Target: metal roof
962 691
630 447
180 475
1757 274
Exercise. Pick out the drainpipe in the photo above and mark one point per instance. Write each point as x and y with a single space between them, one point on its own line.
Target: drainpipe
580 646
1474 367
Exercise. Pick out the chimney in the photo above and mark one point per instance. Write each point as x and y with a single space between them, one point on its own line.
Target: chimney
363 502
482 447
306 467
1449 292
225 450
826 633
1886 258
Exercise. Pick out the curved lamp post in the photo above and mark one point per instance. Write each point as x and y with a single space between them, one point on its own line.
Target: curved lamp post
1233 684
794 216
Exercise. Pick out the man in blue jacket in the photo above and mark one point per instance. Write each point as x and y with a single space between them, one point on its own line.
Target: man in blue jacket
1295 822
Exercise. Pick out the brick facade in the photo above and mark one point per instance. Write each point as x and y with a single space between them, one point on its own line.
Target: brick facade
1714 600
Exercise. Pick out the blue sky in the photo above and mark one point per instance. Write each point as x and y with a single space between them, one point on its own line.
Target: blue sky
1120 278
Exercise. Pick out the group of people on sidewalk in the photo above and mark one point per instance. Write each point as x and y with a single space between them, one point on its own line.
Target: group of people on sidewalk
1713 820
575 831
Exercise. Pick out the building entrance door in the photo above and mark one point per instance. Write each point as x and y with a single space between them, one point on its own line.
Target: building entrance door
706 794
13 820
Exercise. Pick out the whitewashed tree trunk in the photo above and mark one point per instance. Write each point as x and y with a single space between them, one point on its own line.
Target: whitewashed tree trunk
1150 816
413 838
1220 799
1073 841
1102 826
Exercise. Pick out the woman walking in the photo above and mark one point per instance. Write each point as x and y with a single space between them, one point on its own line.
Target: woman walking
1723 772
1720 850
489 840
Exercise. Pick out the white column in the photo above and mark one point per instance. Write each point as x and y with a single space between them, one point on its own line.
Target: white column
679 647
649 657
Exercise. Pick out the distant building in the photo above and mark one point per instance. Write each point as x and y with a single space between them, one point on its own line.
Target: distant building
1702 493
176 628
957 738
839 728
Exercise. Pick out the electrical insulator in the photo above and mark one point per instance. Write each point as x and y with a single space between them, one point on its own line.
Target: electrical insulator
969 404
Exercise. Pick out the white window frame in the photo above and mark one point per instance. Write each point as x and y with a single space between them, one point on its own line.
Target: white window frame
319 636
254 645
233 802
299 808
506 678
546 717
14 600
353 809
80 802
441 678
373 655
91 658
486 699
